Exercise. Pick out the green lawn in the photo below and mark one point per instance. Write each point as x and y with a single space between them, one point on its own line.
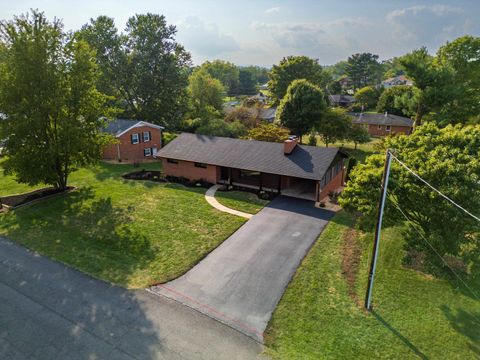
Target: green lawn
8 185
131 233
241 200
416 316
362 151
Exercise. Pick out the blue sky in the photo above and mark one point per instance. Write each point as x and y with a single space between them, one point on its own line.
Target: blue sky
262 32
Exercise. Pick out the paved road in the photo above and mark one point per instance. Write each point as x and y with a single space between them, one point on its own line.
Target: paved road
241 282
49 311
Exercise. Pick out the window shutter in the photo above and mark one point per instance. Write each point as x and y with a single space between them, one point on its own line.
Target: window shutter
131 138
150 135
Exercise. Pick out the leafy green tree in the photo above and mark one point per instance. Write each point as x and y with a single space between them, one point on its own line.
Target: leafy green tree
260 74
226 72
268 132
435 84
49 98
102 35
146 66
448 159
363 69
398 100
246 82
367 96
293 68
206 94
463 56
334 126
302 108
358 135
219 127
312 139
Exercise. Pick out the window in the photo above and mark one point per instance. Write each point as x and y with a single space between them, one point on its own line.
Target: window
388 128
146 136
379 127
135 138
172 161
201 165
247 174
147 152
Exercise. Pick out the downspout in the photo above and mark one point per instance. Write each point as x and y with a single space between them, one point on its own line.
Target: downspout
118 151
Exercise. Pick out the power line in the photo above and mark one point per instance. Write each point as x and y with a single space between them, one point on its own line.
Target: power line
436 190
414 226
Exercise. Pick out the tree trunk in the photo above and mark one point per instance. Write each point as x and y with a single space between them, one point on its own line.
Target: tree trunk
355 145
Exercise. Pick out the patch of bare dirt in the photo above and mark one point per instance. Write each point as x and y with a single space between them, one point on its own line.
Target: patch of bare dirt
350 263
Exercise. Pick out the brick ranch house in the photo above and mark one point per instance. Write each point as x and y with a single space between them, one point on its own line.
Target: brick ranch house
137 140
306 172
379 125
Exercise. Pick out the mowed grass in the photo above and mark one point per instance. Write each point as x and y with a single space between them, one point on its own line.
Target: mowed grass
241 200
360 153
9 186
415 316
131 233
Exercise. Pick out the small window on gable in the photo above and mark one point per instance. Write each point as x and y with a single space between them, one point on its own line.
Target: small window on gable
201 165
147 152
388 128
379 127
172 161
146 136
135 138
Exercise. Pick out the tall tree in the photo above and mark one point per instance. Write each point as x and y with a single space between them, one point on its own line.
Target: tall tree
448 159
292 68
102 35
268 132
367 97
358 135
335 125
206 94
50 101
363 69
224 71
146 66
435 84
463 56
302 107
398 100
246 82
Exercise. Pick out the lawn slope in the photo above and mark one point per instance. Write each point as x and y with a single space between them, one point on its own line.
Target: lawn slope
416 316
131 233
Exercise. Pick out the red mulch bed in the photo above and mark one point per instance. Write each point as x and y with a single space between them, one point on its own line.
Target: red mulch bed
20 199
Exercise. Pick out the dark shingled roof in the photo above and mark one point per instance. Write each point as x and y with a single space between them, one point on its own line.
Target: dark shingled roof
381 119
118 126
308 162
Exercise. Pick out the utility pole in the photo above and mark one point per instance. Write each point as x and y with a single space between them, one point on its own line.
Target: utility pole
378 227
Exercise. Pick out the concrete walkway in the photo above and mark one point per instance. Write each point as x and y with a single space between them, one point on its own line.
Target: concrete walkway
50 311
242 280
210 197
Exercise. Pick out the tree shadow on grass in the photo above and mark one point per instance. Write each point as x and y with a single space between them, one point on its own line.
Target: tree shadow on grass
86 232
399 335
466 323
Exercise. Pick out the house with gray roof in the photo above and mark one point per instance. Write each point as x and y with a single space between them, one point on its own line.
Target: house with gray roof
383 124
287 168
136 140
341 100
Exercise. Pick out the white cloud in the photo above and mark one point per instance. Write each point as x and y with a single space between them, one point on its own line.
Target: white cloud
204 40
273 10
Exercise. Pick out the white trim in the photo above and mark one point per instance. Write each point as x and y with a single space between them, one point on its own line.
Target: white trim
143 136
139 124
149 150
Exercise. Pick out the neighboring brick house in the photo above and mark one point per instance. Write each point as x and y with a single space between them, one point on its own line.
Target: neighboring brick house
291 169
137 140
379 125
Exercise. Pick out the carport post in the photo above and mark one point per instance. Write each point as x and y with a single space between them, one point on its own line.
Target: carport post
378 227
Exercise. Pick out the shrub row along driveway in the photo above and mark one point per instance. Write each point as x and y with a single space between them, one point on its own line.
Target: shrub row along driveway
49 311
242 280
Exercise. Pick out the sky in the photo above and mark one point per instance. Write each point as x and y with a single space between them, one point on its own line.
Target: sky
262 32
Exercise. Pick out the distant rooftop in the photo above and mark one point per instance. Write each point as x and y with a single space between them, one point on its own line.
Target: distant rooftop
118 126
381 119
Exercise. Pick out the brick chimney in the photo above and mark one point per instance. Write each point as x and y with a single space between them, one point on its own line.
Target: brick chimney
289 145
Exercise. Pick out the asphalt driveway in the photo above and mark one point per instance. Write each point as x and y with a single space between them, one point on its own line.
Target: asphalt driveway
241 281
50 311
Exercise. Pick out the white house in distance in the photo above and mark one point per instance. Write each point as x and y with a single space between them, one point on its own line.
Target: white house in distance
396 80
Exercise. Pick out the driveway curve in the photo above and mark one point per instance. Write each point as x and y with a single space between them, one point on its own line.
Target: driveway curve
241 281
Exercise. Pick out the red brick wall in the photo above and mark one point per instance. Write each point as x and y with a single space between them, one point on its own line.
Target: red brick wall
335 183
375 131
187 169
133 152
